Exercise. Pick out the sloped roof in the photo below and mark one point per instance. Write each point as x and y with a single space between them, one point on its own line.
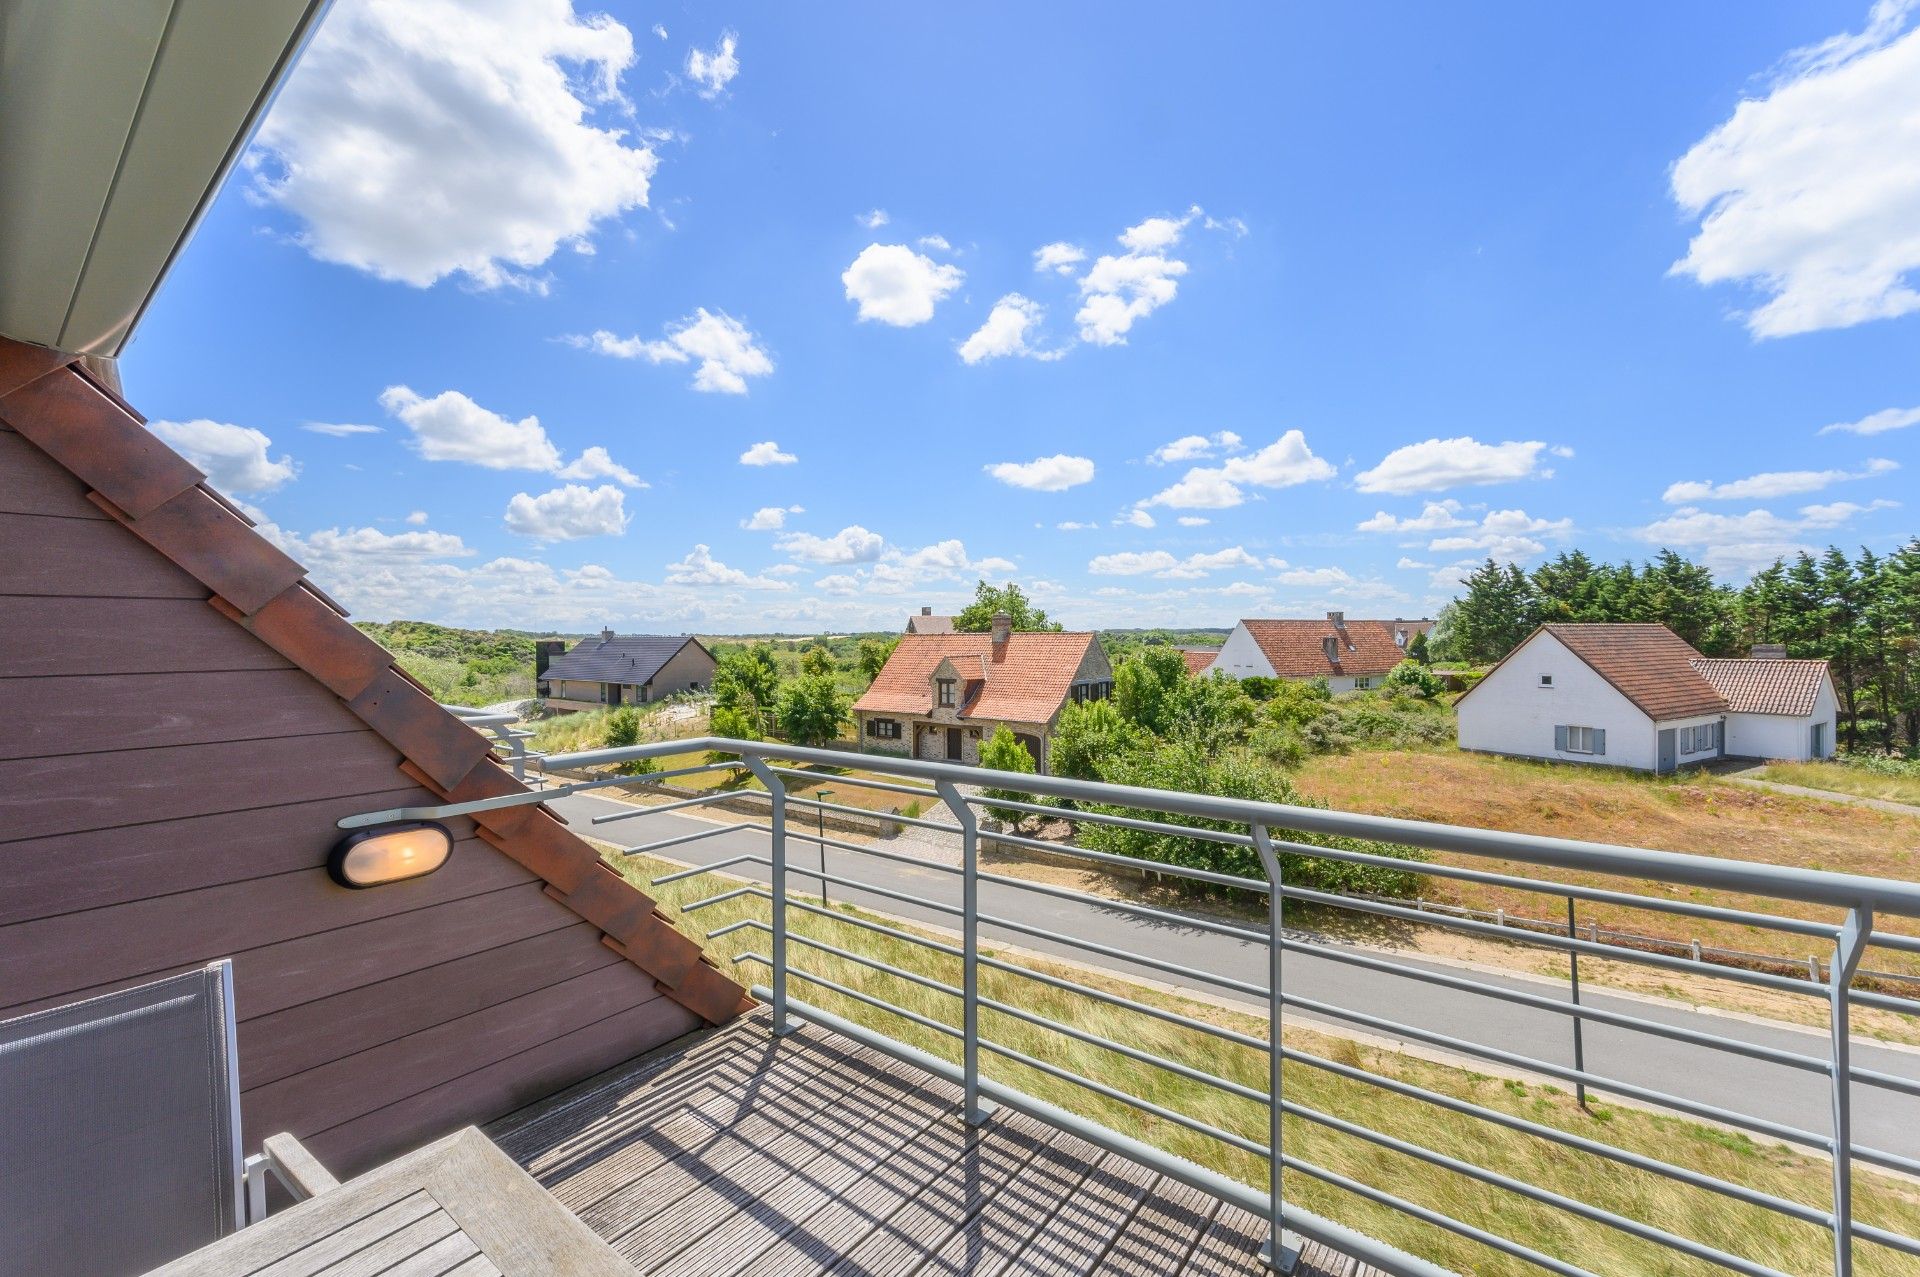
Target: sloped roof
1647 663
1758 686
157 496
1026 682
920 623
1297 648
1198 659
625 658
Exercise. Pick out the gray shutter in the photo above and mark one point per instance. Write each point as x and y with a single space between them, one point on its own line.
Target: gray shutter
1560 739
1599 740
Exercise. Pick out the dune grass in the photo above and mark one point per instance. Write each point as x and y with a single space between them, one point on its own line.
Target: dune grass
1896 786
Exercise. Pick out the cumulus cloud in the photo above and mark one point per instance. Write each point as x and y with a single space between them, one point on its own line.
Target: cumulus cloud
1742 543
1810 194
767 453
1044 474
1878 423
1136 518
1060 258
851 544
895 285
700 568
1438 464
1193 447
1132 563
1192 521
1160 563
725 350
1074 525
770 518
1322 577
1434 516
595 463
418 518
569 513
234 457
938 243
430 138
373 543
1503 534
1008 331
712 72
1777 483
340 429
873 219
1284 463
452 427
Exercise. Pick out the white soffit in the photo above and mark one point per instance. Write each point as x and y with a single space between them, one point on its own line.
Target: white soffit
119 119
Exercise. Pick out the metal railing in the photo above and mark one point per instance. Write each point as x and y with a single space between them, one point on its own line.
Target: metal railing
1275 833
509 740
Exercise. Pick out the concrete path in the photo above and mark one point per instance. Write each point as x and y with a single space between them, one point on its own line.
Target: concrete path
1825 795
1761 1089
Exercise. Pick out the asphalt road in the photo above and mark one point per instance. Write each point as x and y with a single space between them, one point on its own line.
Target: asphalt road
1760 1089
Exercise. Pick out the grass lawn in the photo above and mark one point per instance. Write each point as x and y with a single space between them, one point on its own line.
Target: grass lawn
1689 813
1843 779
1716 1220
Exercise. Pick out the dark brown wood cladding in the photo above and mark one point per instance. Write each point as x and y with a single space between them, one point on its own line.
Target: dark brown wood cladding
30 483
102 713
87 557
71 420
40 637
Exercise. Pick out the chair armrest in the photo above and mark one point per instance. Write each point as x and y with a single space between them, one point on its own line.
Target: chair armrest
296 1168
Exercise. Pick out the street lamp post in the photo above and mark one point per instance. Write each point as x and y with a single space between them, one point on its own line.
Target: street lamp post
821 831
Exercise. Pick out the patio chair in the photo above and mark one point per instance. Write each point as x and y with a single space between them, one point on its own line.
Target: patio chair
120 1131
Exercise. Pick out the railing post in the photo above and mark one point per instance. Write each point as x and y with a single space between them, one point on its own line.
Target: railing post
976 1109
1847 952
1281 1251
777 835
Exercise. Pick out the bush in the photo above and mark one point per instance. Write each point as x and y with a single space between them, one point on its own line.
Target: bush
812 710
1297 702
638 767
1088 734
623 727
1260 687
1001 752
1281 744
732 723
1414 679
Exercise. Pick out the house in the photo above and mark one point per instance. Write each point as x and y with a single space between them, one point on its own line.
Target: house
928 623
1639 696
624 669
940 695
1350 655
1199 659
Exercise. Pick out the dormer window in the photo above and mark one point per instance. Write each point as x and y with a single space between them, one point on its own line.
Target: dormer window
946 692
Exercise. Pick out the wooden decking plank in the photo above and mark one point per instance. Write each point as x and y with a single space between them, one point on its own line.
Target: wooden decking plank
478 1266
430 1261
1001 1228
355 1236
856 1094
1230 1247
1073 1241
1162 1233
394 1251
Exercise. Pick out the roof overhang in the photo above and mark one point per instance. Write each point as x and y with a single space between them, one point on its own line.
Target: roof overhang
122 120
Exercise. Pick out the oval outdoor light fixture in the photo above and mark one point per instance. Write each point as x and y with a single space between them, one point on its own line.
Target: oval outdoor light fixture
390 853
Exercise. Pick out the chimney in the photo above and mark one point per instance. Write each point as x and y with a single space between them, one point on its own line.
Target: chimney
1769 652
544 650
925 610
1331 646
1339 620
1002 626
606 636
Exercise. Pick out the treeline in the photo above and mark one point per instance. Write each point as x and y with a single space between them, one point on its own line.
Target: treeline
1862 614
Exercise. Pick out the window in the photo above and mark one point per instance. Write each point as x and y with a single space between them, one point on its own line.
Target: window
1362 684
883 728
1546 680
1580 740
946 693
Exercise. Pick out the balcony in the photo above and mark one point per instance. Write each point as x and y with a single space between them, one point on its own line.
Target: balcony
932 1082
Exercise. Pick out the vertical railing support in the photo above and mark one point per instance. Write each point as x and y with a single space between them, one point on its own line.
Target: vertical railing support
1282 1250
976 1109
777 834
1847 951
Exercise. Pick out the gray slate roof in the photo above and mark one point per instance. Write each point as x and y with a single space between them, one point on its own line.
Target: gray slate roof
625 658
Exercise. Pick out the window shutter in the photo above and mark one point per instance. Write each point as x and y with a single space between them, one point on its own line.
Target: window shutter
1600 740
1560 739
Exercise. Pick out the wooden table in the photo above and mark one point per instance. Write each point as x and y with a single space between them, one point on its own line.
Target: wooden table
458 1207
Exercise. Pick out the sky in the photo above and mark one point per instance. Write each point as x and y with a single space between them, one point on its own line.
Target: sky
747 317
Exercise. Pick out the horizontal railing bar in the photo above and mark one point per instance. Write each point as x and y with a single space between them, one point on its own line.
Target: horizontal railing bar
814 977
797 799
857 885
732 927
1883 1001
1558 1006
875 964
724 896
1560 944
1646 1095
1157 964
697 835
1129 862
818 781
1889 940
1553 1134
1127 906
861 849
655 809
1881 1237
1886 1081
696 870
1143 1008
1886 1160
1139 823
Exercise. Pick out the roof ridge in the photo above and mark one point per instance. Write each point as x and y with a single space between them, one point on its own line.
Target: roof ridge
155 494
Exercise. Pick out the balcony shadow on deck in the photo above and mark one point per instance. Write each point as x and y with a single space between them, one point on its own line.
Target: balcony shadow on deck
735 1153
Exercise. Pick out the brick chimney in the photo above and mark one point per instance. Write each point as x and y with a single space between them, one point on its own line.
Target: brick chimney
1002 627
1339 620
606 636
925 610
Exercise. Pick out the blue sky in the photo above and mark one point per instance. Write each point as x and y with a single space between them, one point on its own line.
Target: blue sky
755 317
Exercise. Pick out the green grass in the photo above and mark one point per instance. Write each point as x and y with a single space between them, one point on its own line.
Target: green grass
1899 786
1707 1217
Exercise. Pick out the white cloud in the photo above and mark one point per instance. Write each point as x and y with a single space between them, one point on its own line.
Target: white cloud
1044 474
1811 193
1120 290
452 427
1136 518
767 453
726 350
714 71
340 429
1777 483
1060 258
418 518
770 518
1434 516
1407 564
569 513
873 219
419 140
595 463
1162 564
1193 447
1438 464
1006 332
1132 563
1742 543
1284 463
839 583
897 286
1192 521
1315 576
659 32
1073 525
234 457
373 543
1878 423
852 544
699 567
938 243
1503 534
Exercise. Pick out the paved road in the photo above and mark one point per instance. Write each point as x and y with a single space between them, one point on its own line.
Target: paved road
1760 1089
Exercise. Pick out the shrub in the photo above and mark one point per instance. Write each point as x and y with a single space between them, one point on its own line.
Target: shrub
734 724
1281 744
812 710
1260 687
638 767
1002 752
1414 679
623 727
1088 734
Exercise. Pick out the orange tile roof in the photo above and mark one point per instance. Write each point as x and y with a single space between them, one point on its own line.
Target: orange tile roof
1759 686
1198 658
1297 649
1027 682
1648 664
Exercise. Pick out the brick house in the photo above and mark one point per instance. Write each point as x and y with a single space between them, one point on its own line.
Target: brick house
1350 655
940 696
624 669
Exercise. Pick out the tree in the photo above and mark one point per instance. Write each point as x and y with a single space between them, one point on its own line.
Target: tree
747 679
816 660
1144 685
1002 752
733 724
1495 613
812 709
1417 648
873 656
1088 734
977 616
1209 713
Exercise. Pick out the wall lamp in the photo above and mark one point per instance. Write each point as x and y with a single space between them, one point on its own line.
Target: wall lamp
390 853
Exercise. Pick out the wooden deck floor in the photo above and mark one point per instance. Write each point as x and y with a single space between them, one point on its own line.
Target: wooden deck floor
738 1153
